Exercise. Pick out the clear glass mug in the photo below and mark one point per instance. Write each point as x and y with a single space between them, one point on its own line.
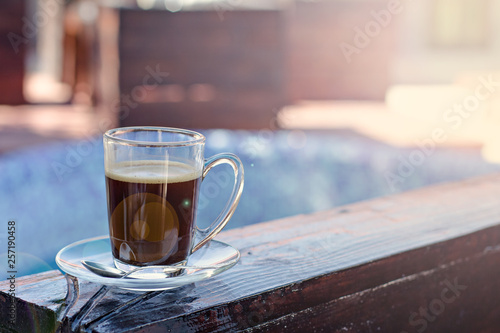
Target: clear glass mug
153 178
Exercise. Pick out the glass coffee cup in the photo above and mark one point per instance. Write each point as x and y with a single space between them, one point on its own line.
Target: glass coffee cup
153 178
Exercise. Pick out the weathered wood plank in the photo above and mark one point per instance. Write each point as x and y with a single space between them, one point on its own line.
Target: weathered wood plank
302 297
36 312
451 297
364 266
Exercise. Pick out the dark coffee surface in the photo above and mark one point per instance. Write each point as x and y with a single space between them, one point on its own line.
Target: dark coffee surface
151 214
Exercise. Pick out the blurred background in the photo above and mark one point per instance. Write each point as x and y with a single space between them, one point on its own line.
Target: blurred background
326 102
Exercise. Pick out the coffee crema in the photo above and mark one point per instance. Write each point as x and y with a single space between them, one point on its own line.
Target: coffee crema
151 209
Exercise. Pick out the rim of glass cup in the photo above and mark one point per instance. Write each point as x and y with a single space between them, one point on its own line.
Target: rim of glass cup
197 138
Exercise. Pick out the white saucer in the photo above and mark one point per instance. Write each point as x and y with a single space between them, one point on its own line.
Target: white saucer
218 255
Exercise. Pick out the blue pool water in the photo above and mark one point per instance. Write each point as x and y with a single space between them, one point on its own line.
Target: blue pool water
56 192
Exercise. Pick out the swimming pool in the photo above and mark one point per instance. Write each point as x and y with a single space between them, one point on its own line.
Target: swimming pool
56 192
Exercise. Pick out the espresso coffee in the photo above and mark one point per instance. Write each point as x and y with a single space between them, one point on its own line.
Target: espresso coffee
151 208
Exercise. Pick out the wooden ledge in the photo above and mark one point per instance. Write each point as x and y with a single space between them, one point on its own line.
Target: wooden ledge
421 260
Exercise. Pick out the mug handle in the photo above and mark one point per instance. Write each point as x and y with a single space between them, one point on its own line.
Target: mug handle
228 211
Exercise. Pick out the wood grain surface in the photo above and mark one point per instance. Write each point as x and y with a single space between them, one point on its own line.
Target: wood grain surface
419 261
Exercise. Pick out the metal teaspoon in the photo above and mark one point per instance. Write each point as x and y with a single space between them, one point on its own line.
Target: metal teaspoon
113 272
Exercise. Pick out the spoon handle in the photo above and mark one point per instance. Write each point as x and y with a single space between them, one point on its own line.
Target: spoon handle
113 272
